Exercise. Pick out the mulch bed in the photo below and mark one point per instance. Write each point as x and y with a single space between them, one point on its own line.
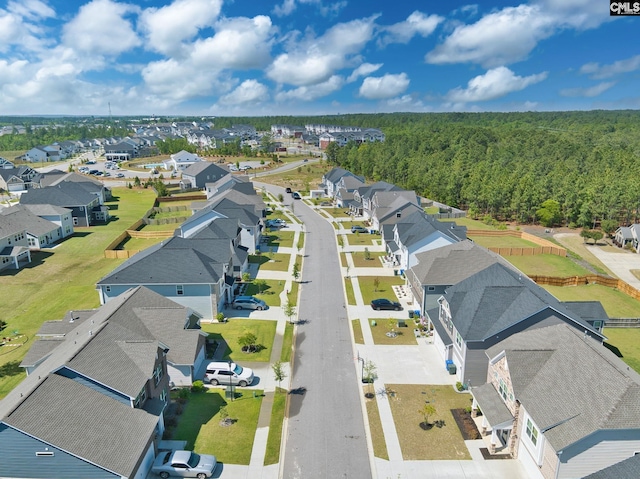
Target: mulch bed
465 423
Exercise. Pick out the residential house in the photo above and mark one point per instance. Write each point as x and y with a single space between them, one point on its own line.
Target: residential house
40 154
90 184
227 182
283 130
57 215
626 469
418 232
18 179
363 198
391 206
40 233
200 173
85 206
124 150
560 402
6 164
152 317
489 306
331 180
181 160
194 272
14 245
626 235
93 408
345 190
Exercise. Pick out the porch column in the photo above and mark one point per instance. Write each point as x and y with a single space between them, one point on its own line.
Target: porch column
474 408
15 262
494 438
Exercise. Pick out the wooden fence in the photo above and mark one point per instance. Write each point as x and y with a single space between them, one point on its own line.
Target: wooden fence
545 247
618 284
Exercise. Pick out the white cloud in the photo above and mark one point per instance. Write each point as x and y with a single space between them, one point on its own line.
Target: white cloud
496 83
31 9
588 92
600 72
100 28
314 60
416 24
579 14
248 92
363 70
16 29
310 93
168 27
241 43
496 39
289 6
387 86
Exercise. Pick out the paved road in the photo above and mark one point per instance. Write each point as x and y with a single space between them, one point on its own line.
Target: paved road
325 433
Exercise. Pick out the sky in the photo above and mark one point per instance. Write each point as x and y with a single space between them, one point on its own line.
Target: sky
314 57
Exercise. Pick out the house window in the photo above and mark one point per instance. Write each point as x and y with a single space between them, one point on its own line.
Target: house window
141 398
503 389
163 396
532 432
44 453
157 374
75 221
431 288
107 288
458 340
180 290
597 325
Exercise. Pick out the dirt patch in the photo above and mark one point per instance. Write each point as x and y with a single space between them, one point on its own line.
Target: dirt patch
465 423
487 455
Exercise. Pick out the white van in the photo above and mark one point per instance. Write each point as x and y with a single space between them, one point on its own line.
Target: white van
226 372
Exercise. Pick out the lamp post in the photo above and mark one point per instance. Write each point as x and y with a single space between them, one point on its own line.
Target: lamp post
230 392
361 360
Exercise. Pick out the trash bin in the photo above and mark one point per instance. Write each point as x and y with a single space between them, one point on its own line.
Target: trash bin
447 363
411 314
451 368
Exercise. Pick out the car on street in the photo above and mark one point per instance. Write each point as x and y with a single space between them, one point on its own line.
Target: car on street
359 229
385 304
183 464
296 196
120 175
288 190
248 302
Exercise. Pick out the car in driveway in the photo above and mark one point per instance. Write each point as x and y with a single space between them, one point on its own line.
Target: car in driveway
228 373
359 229
385 304
183 464
248 302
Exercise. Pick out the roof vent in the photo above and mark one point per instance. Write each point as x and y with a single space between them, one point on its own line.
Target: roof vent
90 333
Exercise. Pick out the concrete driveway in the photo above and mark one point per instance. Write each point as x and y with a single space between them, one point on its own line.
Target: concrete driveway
620 263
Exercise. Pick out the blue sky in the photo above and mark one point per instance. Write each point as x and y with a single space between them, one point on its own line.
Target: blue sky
307 57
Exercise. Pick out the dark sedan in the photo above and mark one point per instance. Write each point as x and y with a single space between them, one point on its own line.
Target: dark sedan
385 304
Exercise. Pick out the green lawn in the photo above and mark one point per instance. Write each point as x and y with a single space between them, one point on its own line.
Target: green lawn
62 279
360 261
375 426
627 341
138 244
270 292
272 261
358 338
274 439
547 265
437 443
503 242
280 238
470 223
292 297
287 343
199 425
233 329
351 297
362 239
615 303
336 212
384 290
404 336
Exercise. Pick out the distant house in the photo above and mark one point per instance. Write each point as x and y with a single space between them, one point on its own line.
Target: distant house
85 207
493 304
121 151
626 235
561 403
181 160
200 173
363 198
331 181
194 272
88 183
57 215
14 245
18 179
93 407
38 155
6 164
41 233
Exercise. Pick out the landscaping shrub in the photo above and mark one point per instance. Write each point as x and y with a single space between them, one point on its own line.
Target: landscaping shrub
197 387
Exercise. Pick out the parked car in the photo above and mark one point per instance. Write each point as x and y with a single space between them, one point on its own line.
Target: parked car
184 464
226 372
277 223
248 302
120 175
386 304
359 229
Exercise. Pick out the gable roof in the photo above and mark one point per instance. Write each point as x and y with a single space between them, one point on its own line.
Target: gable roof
21 218
571 385
66 193
418 225
47 210
497 298
335 174
450 264
175 261
201 166
60 411
627 469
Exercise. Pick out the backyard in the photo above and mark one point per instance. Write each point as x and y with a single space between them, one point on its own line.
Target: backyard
547 265
61 279
383 289
232 330
626 342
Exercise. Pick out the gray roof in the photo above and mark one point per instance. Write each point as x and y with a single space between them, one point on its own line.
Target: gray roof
352 182
202 166
492 406
66 193
47 210
39 350
60 411
497 298
334 175
588 310
175 261
370 190
415 227
627 469
220 228
570 384
62 327
20 218
453 263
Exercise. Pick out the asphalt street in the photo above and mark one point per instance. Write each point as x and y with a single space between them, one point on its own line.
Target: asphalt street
325 434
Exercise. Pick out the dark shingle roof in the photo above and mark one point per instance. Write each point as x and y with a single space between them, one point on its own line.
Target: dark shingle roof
627 469
570 384
66 193
21 218
60 411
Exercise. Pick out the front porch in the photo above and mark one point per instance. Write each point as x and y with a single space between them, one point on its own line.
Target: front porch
493 419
